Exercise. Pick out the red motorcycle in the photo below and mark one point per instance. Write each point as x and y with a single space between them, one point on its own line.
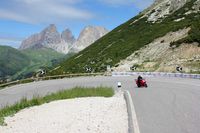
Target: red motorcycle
142 83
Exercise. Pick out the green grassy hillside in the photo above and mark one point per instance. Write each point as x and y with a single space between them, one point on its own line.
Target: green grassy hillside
11 61
127 38
17 64
39 58
44 55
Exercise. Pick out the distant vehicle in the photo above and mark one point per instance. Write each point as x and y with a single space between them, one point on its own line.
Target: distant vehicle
119 84
141 83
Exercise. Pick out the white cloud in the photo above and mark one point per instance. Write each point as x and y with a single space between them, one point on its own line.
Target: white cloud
116 2
10 41
6 14
141 4
52 11
44 11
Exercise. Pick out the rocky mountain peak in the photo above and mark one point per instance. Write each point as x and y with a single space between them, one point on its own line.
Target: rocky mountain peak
89 35
50 35
51 28
67 36
98 30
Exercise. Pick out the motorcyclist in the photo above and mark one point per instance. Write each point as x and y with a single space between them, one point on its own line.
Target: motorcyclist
139 80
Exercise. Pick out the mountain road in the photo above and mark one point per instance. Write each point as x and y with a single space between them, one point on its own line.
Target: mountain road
168 105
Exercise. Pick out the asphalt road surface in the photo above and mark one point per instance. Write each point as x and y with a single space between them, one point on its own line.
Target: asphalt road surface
168 105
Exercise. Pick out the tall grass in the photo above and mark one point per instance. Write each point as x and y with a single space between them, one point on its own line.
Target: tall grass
64 94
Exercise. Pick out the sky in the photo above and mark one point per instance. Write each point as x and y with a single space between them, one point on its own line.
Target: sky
22 18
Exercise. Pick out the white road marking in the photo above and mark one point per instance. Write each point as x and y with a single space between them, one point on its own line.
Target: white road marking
133 114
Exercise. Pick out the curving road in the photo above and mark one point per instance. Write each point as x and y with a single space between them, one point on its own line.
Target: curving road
168 105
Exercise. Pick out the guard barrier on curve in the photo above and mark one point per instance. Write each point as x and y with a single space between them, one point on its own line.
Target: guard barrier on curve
157 74
28 80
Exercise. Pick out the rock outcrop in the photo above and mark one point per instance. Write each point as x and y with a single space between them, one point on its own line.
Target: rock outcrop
161 8
153 53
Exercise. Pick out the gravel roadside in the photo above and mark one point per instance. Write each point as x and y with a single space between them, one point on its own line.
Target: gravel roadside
80 115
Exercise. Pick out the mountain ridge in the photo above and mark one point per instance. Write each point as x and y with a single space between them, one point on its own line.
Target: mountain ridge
64 42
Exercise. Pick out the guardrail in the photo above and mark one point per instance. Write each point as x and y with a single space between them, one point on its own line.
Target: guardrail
154 74
157 74
28 80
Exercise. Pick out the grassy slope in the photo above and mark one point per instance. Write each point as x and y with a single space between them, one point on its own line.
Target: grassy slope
11 61
41 58
43 55
66 94
124 40
20 64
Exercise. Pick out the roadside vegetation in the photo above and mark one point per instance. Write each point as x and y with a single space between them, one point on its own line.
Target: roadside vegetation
127 38
64 94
